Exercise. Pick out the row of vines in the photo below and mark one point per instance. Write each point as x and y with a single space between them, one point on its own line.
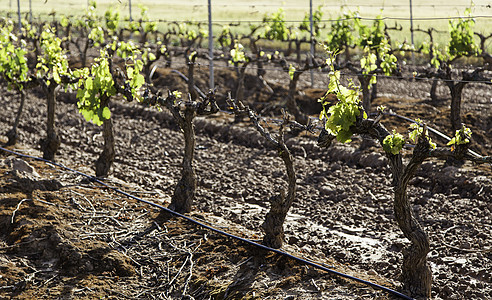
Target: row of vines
55 55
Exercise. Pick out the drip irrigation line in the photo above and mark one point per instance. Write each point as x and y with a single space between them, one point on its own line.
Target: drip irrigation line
191 220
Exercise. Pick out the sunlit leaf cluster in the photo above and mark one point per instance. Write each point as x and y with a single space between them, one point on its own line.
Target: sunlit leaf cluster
52 63
343 115
393 143
275 28
418 131
95 83
237 54
461 137
13 62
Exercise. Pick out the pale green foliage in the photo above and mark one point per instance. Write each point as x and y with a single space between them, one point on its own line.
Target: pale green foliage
98 82
90 18
149 26
112 19
368 64
135 79
292 70
97 36
274 26
461 36
343 115
148 56
64 22
370 36
461 137
145 24
225 36
177 94
93 85
237 54
418 131
436 55
340 34
52 63
388 60
306 23
461 42
185 32
377 50
13 63
125 49
393 143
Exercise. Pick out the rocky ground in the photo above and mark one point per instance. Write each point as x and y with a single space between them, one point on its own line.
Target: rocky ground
62 236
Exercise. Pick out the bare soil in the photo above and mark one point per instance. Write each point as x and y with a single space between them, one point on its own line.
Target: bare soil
62 236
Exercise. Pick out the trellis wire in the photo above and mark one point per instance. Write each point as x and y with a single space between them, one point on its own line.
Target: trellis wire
417 78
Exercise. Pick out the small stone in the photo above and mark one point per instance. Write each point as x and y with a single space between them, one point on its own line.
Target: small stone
21 168
460 261
372 272
447 290
448 259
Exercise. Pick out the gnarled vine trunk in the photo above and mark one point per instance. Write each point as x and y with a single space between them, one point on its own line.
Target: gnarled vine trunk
12 133
241 74
298 50
416 272
456 92
374 91
106 158
190 61
291 100
280 204
366 91
184 192
433 91
51 143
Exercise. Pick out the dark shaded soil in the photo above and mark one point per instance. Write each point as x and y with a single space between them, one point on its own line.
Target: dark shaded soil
73 239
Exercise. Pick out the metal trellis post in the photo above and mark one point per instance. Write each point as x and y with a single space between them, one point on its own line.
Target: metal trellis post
19 14
210 45
30 12
411 31
312 41
130 7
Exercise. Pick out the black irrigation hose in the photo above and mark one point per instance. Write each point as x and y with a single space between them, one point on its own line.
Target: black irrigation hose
191 220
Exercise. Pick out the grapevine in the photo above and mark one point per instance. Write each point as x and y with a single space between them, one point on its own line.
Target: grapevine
98 84
14 69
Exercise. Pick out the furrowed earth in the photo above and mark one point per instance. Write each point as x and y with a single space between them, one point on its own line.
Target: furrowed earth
63 236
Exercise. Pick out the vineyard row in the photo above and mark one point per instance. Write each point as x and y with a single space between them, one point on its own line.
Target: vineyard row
38 56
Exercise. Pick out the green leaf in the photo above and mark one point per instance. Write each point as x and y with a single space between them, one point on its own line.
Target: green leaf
393 143
292 71
106 114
